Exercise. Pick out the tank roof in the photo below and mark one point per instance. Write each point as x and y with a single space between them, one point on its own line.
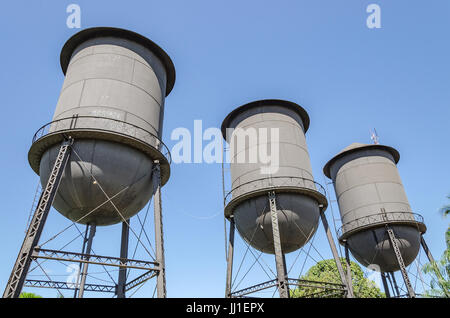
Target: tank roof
264 102
91 33
355 147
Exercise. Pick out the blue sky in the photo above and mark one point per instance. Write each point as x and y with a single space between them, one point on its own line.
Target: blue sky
319 54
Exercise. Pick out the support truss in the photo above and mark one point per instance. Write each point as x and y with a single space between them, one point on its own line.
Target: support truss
22 265
70 286
401 263
31 251
327 287
93 259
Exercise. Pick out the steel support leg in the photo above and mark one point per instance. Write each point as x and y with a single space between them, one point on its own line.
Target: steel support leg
122 281
349 272
385 285
433 263
159 235
336 256
394 281
22 265
283 287
86 265
230 259
83 249
401 263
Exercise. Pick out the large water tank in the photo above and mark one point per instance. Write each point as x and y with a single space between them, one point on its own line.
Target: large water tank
112 105
370 195
299 199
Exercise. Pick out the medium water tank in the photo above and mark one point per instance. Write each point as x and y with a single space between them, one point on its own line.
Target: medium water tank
112 105
299 199
370 195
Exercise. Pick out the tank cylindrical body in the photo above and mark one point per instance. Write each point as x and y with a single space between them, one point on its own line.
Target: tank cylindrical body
370 195
277 128
112 104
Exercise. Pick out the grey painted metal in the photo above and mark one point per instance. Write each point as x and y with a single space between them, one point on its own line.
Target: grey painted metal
80 265
394 281
401 263
280 261
433 262
351 293
327 287
22 264
230 257
65 256
92 231
140 280
298 197
337 260
122 281
385 285
69 286
159 234
112 99
366 180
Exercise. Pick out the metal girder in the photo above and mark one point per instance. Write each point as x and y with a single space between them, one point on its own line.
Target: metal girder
93 259
401 263
93 229
280 261
230 257
385 285
159 234
71 286
22 265
327 287
255 288
140 280
122 280
336 255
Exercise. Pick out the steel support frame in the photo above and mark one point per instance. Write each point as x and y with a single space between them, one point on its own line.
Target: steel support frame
80 265
433 263
92 230
30 250
22 264
122 281
230 257
385 284
401 263
280 261
282 282
349 272
159 234
349 290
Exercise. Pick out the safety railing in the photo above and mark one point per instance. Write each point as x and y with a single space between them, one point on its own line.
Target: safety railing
379 219
273 183
103 124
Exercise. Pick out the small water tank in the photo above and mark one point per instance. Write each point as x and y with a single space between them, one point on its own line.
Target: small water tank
370 195
299 199
112 105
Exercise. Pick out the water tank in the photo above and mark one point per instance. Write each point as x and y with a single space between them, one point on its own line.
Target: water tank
112 105
370 195
299 199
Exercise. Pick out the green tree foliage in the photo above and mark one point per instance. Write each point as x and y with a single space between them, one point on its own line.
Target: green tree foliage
326 271
29 295
440 270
